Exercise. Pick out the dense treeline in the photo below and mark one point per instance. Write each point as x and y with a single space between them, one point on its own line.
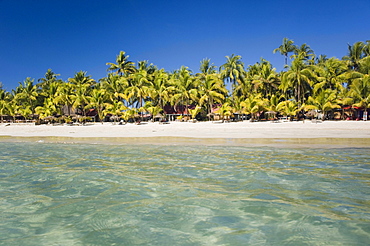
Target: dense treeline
309 82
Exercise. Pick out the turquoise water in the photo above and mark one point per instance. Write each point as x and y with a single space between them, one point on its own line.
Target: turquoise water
81 194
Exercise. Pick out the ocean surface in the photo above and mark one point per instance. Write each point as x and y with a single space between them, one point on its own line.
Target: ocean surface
100 194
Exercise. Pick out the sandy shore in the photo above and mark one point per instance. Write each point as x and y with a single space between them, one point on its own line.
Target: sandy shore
321 135
235 130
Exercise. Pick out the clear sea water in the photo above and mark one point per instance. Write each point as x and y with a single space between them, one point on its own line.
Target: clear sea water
86 194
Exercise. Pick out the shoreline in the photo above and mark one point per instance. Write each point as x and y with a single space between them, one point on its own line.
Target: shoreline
322 143
332 134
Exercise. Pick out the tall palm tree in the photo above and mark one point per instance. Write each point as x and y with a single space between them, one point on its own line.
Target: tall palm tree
233 71
305 51
267 80
115 86
122 66
206 67
285 48
138 88
331 75
212 90
98 101
63 96
321 59
81 78
355 54
50 77
144 65
298 79
185 88
160 91
82 85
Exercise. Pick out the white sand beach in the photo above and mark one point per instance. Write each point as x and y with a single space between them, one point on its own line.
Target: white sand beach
234 130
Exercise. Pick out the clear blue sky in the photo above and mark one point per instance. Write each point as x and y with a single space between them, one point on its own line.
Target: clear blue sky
72 35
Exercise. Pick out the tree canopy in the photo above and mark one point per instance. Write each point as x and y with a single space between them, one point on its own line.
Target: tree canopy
309 82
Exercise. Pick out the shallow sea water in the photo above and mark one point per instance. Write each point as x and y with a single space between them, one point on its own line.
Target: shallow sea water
85 194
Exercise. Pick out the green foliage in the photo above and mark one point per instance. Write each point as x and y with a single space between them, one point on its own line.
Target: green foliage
324 101
288 108
194 112
320 83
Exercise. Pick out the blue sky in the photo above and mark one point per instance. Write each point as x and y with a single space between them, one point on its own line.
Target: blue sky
72 35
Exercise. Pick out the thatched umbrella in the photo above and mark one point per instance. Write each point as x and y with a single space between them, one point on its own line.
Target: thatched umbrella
311 114
158 116
115 118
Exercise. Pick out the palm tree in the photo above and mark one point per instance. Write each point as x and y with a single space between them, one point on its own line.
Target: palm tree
286 48
50 77
324 101
63 96
253 105
98 101
160 90
194 112
152 109
81 78
26 95
122 66
360 91
297 79
212 90
130 113
12 109
4 101
49 108
288 108
305 51
321 59
364 65
267 80
115 108
138 88
331 75
81 84
185 87
225 111
366 48
272 103
144 65
355 54
115 86
206 67
233 71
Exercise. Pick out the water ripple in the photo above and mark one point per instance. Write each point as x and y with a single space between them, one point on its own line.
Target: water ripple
69 194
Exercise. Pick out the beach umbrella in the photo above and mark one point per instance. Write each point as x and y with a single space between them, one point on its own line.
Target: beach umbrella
311 113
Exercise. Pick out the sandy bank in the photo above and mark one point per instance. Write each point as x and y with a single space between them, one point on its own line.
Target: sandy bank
237 130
